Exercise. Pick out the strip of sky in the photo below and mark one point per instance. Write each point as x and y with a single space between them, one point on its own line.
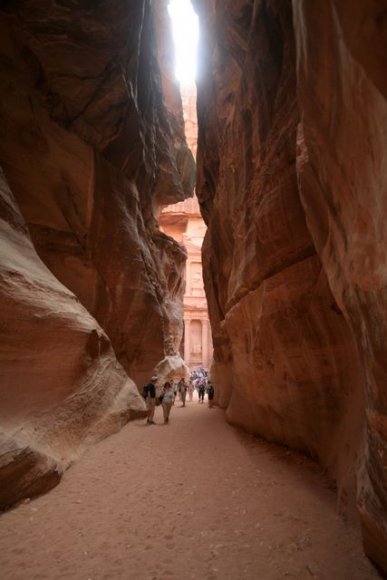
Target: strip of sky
185 29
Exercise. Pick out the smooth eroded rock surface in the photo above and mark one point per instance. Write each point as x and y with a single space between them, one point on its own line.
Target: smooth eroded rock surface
343 182
24 472
171 368
92 143
292 181
61 383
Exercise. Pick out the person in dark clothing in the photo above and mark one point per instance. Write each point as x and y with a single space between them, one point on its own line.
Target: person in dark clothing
149 394
202 390
211 393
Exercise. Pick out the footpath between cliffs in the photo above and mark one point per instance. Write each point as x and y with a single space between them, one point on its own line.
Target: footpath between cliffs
194 499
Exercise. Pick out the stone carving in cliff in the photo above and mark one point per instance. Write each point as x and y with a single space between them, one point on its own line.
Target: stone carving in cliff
290 181
91 147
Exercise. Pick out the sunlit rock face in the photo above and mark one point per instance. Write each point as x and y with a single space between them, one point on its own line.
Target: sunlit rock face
92 143
292 181
171 368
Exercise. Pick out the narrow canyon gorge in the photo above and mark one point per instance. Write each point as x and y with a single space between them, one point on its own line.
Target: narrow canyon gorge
291 178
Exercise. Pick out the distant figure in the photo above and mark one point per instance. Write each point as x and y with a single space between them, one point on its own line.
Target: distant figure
167 402
182 388
202 389
191 389
211 393
174 389
149 394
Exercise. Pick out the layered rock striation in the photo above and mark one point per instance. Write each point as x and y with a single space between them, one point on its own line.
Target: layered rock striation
291 182
92 143
342 171
61 384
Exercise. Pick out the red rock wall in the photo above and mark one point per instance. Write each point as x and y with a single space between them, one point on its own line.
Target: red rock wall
342 89
61 384
92 143
290 181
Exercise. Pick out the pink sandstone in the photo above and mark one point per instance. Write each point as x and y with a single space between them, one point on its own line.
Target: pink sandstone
291 184
291 175
91 146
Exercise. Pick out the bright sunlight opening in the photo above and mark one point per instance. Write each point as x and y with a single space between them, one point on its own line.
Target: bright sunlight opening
185 29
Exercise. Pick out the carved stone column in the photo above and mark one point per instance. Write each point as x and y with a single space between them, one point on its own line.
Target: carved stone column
205 343
187 341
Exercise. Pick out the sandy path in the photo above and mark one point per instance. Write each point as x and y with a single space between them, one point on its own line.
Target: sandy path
192 499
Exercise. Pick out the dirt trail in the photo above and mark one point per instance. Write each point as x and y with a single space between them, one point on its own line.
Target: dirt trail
192 499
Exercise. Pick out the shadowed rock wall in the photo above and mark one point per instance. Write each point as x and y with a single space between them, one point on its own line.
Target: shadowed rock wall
342 89
92 143
291 182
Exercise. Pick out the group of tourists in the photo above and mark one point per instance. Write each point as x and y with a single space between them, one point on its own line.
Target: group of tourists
203 385
199 381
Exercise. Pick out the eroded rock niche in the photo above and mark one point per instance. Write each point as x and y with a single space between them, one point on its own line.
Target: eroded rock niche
92 143
292 176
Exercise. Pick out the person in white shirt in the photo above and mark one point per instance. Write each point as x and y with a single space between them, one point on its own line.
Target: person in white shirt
167 402
182 388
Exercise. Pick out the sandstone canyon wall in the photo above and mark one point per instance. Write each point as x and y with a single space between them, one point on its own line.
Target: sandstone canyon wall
292 185
91 144
342 89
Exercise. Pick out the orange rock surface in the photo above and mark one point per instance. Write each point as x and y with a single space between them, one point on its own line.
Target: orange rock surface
60 381
342 173
291 181
92 143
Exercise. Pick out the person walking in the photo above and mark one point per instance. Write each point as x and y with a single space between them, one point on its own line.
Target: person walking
202 390
191 390
182 388
174 389
167 402
210 393
149 394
